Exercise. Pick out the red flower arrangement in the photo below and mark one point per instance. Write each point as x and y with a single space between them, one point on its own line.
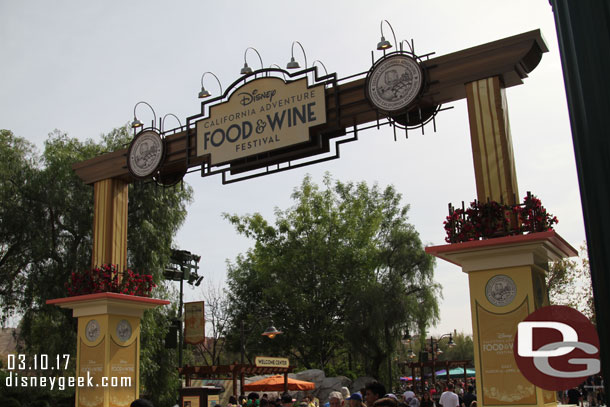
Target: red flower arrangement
492 219
106 279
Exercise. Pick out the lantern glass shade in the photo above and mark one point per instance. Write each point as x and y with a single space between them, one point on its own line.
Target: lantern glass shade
293 64
204 93
271 332
246 69
383 44
136 123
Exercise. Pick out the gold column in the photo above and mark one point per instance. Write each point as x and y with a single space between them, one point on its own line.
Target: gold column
492 149
108 348
506 280
110 223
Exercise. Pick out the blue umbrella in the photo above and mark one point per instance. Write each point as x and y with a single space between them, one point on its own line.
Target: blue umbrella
456 372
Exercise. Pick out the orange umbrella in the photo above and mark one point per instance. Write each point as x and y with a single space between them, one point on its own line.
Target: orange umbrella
276 383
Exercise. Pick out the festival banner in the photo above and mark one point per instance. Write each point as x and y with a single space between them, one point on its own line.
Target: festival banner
194 322
502 382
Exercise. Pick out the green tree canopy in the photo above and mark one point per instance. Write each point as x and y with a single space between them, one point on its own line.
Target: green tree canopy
569 283
46 220
341 272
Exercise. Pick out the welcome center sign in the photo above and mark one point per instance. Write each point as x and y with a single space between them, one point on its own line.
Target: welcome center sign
262 115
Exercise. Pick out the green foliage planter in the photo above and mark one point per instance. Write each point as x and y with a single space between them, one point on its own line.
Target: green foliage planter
486 220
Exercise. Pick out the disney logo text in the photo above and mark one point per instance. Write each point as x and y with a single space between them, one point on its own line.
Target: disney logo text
255 96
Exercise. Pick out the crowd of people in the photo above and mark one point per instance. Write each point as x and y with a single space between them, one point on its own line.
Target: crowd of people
590 393
451 394
441 393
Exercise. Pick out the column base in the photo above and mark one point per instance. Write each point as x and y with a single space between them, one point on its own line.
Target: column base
108 346
506 280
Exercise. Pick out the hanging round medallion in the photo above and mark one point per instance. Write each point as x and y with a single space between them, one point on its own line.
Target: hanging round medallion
145 154
92 330
394 82
123 330
500 290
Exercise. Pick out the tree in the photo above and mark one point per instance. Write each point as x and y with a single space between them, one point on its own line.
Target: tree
342 271
46 224
463 349
569 283
217 320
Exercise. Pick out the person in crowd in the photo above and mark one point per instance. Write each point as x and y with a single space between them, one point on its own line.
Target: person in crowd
426 400
385 402
449 398
345 392
335 398
574 396
469 397
141 403
408 394
286 400
232 401
355 400
373 392
410 398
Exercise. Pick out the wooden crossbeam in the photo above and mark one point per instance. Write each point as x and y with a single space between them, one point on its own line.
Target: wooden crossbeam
510 59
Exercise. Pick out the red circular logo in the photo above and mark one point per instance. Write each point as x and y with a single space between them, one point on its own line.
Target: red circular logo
556 348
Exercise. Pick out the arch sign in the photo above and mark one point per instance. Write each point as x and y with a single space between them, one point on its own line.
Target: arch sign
272 120
262 115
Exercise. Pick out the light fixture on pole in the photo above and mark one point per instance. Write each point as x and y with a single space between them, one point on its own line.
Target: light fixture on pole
321 63
204 93
246 69
280 68
409 44
406 340
137 123
163 120
293 64
434 344
183 265
385 44
270 333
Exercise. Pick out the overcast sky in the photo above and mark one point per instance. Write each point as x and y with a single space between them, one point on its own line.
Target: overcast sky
80 67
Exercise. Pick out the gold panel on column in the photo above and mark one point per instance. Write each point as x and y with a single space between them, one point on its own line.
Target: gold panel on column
110 223
492 148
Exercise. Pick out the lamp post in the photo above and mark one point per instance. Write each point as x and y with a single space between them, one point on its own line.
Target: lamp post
136 122
270 332
246 69
183 265
435 350
204 93
384 44
293 64
406 340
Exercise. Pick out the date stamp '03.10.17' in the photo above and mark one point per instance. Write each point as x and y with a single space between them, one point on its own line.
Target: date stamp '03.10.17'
25 371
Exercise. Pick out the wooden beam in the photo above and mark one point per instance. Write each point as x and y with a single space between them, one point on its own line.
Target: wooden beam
510 59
